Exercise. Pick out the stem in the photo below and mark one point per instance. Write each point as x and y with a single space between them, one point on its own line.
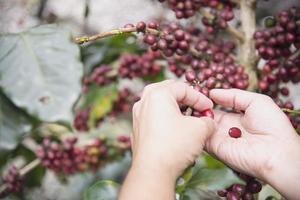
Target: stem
247 55
85 39
294 55
188 111
27 168
295 112
231 30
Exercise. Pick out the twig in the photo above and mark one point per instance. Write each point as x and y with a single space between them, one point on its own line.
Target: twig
294 55
188 111
27 168
85 39
41 9
295 112
231 30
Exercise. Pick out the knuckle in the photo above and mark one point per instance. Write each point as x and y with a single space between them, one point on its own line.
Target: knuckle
265 98
148 88
157 94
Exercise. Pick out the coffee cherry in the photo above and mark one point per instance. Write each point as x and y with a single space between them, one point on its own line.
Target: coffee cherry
207 113
190 76
254 187
235 132
141 26
150 39
239 189
232 196
248 196
222 193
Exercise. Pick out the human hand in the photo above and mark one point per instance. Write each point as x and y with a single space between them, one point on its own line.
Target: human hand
269 147
164 138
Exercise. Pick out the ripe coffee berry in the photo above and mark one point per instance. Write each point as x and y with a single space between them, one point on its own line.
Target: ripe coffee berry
235 132
141 26
254 187
208 113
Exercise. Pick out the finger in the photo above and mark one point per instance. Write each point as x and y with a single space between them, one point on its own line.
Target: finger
151 87
204 127
237 99
188 96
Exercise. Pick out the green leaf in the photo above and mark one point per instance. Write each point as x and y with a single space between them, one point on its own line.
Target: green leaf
108 50
298 129
212 179
102 190
155 78
196 194
101 100
93 55
213 163
41 72
184 179
14 124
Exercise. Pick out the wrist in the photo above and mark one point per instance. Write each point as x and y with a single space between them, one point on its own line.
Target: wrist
154 169
283 172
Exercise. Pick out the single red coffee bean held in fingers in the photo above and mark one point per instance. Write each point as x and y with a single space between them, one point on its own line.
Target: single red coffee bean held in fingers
235 132
208 113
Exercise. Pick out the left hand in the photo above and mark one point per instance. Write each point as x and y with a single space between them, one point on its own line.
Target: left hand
164 140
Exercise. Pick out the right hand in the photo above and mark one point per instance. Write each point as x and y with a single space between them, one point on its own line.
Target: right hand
269 145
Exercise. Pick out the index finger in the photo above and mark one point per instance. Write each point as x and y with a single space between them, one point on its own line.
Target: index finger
238 99
188 96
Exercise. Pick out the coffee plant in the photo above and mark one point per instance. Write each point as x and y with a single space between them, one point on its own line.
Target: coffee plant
58 92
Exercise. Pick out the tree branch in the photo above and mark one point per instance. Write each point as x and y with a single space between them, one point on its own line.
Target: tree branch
27 168
247 56
85 39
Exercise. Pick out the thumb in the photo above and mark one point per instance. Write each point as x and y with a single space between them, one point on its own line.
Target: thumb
204 127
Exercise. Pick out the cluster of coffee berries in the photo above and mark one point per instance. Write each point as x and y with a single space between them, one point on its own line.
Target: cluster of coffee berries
218 68
63 157
218 19
67 157
294 119
276 41
133 66
211 60
12 182
102 75
276 73
279 45
172 40
189 8
124 102
81 120
241 191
